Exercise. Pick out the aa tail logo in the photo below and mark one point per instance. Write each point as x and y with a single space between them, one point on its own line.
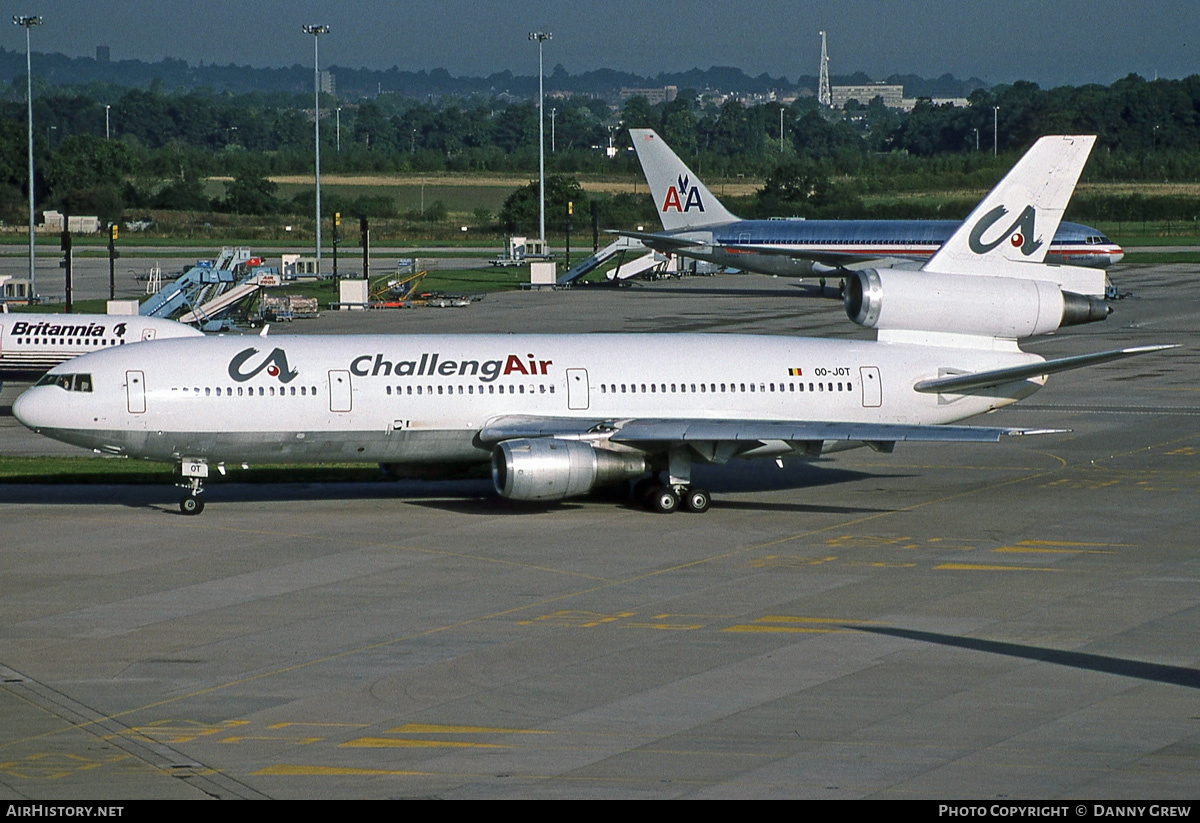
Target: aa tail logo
683 197
276 365
1019 234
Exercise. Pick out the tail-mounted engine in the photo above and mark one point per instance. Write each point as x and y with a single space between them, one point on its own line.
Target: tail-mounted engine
550 469
1008 307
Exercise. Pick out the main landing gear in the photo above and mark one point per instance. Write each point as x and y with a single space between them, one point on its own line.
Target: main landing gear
194 472
667 498
677 492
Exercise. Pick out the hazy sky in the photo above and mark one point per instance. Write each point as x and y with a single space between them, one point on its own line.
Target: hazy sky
1051 42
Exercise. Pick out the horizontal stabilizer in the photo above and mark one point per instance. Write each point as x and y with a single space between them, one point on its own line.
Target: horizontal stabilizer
662 242
959 383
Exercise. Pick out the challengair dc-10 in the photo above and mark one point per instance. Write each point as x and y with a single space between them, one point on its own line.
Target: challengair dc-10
559 415
696 225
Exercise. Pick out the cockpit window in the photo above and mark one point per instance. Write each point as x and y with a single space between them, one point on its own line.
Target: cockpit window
70 382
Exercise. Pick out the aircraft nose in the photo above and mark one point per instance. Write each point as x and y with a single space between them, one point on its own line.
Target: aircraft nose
30 408
1118 254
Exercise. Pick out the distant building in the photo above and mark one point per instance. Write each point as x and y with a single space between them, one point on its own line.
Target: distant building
326 82
102 55
55 221
893 96
910 103
653 96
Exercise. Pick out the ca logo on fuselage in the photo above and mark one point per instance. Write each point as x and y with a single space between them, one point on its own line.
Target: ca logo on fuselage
1019 234
683 197
275 363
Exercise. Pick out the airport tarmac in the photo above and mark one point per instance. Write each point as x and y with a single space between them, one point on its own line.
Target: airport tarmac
1013 620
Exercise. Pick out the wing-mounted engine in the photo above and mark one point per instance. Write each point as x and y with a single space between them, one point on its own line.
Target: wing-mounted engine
547 468
1004 307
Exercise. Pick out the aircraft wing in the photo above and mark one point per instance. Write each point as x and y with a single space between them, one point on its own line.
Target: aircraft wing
670 244
647 432
835 259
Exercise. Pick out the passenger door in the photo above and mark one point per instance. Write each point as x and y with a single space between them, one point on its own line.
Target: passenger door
135 392
577 389
872 387
340 392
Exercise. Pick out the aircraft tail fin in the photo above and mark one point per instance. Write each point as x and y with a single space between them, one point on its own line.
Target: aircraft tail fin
1017 219
682 201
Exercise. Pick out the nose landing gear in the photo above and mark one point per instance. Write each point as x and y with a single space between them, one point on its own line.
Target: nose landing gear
194 472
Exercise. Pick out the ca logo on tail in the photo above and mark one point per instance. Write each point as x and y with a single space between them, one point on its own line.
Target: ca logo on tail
1020 234
683 197
275 363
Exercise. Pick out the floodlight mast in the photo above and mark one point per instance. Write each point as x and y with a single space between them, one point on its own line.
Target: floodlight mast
316 31
27 22
540 37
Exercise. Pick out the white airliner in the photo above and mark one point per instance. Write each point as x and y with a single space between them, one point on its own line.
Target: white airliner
697 225
31 344
558 415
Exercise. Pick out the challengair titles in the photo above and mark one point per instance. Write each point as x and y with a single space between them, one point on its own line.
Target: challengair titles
431 365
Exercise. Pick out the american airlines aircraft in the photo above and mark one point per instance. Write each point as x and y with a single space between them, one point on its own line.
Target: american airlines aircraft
31 344
559 415
696 225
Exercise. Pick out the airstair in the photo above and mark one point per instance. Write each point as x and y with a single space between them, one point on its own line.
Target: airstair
197 284
635 267
621 245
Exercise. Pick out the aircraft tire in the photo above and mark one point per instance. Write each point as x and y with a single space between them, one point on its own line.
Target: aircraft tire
697 501
664 500
191 505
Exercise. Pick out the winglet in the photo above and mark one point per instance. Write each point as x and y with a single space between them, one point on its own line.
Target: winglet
1018 218
682 201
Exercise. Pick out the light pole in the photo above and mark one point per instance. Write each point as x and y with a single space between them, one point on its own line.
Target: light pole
316 32
28 23
107 133
541 37
338 112
995 130
552 113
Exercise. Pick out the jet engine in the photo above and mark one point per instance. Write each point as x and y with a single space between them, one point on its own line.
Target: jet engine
551 469
1006 307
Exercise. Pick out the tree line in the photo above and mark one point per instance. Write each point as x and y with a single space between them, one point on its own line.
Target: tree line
104 150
